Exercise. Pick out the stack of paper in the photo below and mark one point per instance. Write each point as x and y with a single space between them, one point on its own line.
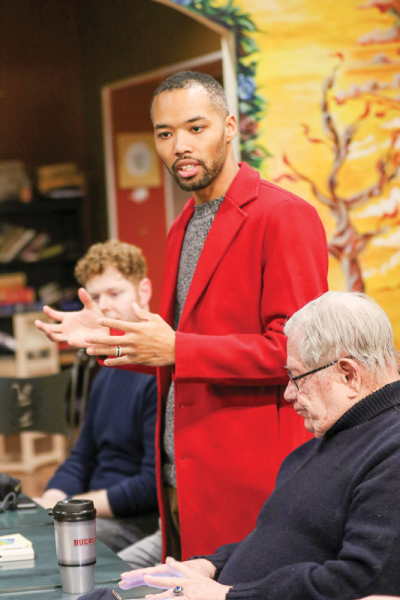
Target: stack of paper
15 546
63 180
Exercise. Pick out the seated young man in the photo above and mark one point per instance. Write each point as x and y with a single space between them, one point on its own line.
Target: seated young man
113 461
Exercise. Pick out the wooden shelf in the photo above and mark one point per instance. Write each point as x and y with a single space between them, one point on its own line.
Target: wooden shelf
39 205
17 265
8 366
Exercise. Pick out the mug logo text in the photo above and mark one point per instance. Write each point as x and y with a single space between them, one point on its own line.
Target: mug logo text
85 541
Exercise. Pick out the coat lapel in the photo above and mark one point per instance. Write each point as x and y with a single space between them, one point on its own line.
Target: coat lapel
227 223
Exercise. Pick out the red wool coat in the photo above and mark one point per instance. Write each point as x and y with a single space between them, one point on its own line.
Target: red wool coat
264 258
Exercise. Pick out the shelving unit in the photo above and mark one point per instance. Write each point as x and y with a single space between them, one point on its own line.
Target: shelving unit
36 356
63 220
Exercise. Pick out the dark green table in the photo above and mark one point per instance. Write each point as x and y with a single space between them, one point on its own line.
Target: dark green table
26 517
40 578
58 594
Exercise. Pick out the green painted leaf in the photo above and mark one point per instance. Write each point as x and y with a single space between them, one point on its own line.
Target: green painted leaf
232 18
245 23
248 45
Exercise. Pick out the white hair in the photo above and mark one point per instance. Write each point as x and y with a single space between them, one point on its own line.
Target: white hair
344 324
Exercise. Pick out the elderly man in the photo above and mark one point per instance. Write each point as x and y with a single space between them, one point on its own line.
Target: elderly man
331 527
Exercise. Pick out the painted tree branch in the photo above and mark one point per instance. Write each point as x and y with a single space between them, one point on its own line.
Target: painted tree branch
346 243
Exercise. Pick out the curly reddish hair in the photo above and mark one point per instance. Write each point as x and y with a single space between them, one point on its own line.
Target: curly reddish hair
126 258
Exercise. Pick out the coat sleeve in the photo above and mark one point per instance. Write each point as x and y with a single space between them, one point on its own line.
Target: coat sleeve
294 272
366 563
138 494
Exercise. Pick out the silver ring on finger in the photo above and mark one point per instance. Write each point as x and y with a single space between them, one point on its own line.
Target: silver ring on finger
178 591
118 351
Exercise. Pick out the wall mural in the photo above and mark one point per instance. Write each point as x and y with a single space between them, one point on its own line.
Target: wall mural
331 73
251 103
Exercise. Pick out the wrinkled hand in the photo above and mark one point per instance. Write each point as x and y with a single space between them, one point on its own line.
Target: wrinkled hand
195 586
150 341
135 578
74 326
202 566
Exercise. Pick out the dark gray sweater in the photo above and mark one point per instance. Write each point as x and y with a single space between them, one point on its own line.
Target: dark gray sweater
331 528
195 237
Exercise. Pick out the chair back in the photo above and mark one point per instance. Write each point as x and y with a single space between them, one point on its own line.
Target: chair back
83 369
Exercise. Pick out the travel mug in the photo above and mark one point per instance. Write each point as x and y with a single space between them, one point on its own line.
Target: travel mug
75 529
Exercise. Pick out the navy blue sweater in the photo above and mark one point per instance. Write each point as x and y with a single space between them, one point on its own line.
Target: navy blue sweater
116 450
331 527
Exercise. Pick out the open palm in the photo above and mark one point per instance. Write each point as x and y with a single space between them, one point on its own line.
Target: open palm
74 327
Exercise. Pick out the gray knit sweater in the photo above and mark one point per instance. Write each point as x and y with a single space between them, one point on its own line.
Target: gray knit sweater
193 242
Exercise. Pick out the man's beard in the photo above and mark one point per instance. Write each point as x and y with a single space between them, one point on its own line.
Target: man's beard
210 172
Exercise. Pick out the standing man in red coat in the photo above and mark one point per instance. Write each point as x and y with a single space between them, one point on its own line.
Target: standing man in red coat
243 256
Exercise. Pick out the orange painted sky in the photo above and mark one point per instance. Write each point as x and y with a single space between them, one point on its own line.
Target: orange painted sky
297 40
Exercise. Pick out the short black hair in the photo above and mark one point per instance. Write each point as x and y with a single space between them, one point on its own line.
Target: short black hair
187 79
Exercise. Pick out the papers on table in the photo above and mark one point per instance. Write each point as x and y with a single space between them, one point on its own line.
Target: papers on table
16 565
15 546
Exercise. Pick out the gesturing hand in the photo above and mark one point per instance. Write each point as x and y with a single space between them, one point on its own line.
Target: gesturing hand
150 341
74 326
195 586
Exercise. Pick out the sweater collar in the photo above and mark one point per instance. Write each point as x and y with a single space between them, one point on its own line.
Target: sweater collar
368 408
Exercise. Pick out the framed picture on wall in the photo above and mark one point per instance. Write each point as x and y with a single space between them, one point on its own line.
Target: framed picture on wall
138 163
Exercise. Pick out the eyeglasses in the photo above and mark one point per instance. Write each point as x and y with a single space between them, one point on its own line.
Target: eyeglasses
294 379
